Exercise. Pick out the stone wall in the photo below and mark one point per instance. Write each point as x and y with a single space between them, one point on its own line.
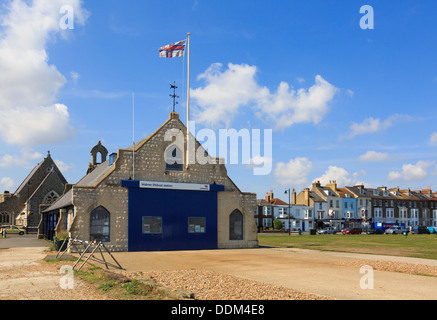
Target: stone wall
115 200
51 183
246 204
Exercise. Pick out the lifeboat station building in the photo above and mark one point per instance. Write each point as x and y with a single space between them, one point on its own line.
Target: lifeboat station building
136 200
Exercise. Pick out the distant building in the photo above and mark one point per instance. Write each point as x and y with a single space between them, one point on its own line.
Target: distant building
44 184
263 214
316 201
294 216
269 209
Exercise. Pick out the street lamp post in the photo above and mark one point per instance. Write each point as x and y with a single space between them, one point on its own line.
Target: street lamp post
289 210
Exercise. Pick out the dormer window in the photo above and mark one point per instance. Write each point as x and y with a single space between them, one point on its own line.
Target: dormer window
174 159
376 192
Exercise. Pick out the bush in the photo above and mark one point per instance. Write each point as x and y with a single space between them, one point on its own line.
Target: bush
277 224
62 235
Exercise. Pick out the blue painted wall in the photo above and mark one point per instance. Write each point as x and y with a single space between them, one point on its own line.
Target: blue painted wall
175 207
351 204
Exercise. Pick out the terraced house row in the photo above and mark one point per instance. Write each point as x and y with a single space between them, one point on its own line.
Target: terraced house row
355 206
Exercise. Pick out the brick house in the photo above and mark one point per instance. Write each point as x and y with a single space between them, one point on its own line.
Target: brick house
269 209
263 214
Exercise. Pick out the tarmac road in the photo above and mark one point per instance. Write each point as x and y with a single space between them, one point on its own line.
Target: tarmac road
24 241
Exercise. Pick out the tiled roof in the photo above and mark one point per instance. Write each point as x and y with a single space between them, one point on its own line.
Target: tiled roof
64 201
278 202
95 176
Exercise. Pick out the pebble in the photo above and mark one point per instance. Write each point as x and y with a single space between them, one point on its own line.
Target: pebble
410 268
209 285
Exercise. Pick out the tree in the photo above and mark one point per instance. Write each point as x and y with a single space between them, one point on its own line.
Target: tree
277 224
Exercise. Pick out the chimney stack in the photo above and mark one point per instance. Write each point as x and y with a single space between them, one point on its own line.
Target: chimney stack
306 195
316 184
332 185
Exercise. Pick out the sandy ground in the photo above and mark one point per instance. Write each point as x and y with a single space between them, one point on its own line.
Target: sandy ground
25 276
328 274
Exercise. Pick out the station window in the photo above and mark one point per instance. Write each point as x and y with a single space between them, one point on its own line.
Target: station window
152 225
174 159
196 225
236 226
100 225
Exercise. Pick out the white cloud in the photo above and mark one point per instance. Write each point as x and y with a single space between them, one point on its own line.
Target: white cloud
433 138
63 167
36 125
287 106
411 172
6 184
294 173
374 125
28 83
341 176
373 156
26 159
226 92
260 160
74 76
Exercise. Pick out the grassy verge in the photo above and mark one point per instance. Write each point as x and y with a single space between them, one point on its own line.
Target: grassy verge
418 246
120 287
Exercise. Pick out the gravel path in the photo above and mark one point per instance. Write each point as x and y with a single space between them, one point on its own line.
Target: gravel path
208 285
392 266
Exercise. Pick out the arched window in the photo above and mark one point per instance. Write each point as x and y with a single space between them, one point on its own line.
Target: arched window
236 226
51 197
4 218
99 158
100 225
174 159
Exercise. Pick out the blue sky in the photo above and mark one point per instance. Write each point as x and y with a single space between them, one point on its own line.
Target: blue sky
345 104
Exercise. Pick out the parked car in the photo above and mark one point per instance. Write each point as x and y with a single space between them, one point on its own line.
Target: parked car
351 231
374 231
12 230
432 230
396 230
421 230
327 231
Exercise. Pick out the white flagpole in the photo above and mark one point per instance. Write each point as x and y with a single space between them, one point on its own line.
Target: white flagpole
188 99
133 136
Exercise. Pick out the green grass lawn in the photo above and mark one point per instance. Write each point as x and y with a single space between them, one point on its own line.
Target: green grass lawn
419 246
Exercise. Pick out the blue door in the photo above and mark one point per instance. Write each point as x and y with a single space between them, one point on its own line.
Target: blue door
162 220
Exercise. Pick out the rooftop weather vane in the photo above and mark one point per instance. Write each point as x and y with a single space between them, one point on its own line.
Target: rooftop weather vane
174 96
